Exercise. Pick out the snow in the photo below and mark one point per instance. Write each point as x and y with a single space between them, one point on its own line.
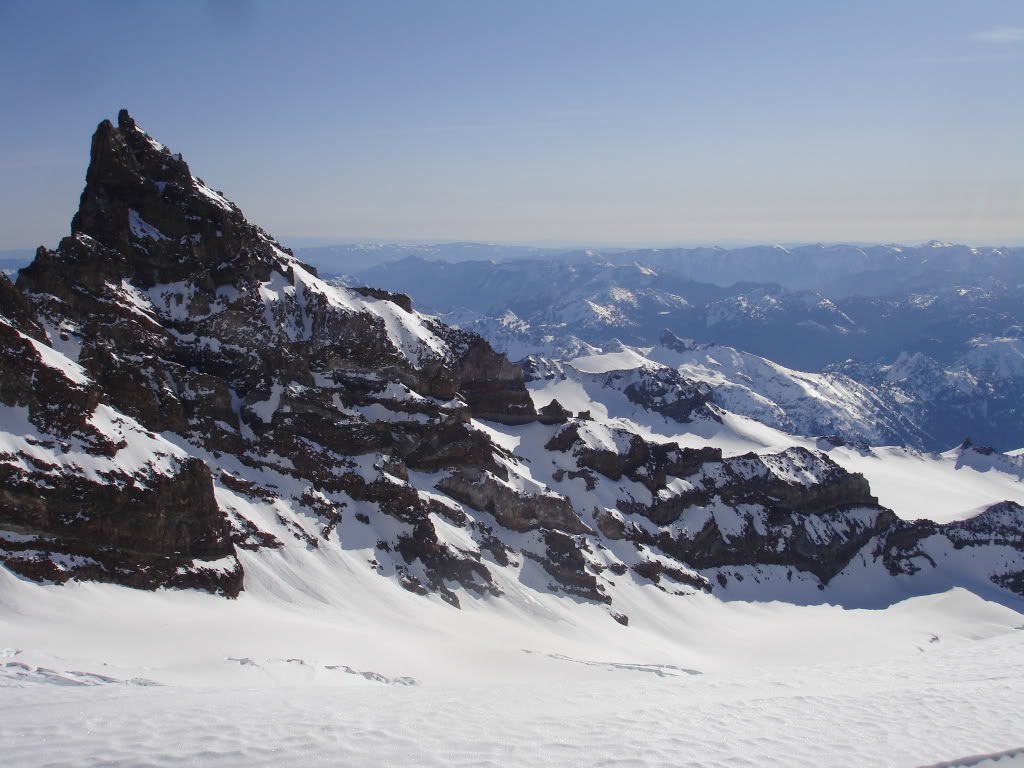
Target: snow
325 658
570 393
939 487
140 453
626 718
1007 758
362 675
275 293
1002 358
928 485
141 229
613 361
407 331
266 409
172 299
49 357
64 338
378 412
223 564
211 195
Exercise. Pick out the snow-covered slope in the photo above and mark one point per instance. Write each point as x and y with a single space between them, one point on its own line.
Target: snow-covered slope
796 402
182 677
942 487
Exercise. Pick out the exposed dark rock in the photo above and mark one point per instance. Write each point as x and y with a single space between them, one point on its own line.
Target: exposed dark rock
665 391
644 462
564 439
563 560
653 570
493 387
445 564
553 413
15 308
395 298
512 509
245 535
144 222
144 533
611 525
491 544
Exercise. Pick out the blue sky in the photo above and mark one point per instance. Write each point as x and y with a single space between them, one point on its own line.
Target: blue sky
582 120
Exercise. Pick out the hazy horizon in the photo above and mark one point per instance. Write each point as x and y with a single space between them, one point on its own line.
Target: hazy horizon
313 243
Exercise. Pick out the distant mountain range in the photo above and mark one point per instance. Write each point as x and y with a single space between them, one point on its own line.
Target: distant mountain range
933 332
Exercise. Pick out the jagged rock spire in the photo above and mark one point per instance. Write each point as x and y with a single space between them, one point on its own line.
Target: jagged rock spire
141 200
126 168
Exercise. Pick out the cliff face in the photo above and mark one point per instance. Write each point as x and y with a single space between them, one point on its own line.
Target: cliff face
176 387
88 492
186 319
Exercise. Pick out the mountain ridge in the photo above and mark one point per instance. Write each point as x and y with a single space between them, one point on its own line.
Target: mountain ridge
183 399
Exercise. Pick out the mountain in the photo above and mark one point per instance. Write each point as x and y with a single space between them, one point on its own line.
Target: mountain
353 257
977 394
839 270
559 309
835 270
184 402
600 297
249 517
794 402
598 301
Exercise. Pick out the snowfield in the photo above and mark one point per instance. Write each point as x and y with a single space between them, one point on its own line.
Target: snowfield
103 675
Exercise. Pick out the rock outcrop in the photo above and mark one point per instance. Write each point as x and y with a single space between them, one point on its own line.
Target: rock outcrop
182 317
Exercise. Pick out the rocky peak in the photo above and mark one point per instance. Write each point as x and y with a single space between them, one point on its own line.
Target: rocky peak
143 202
670 341
172 314
155 240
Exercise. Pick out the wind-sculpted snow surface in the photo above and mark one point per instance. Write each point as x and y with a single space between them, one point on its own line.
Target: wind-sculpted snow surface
903 715
176 678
